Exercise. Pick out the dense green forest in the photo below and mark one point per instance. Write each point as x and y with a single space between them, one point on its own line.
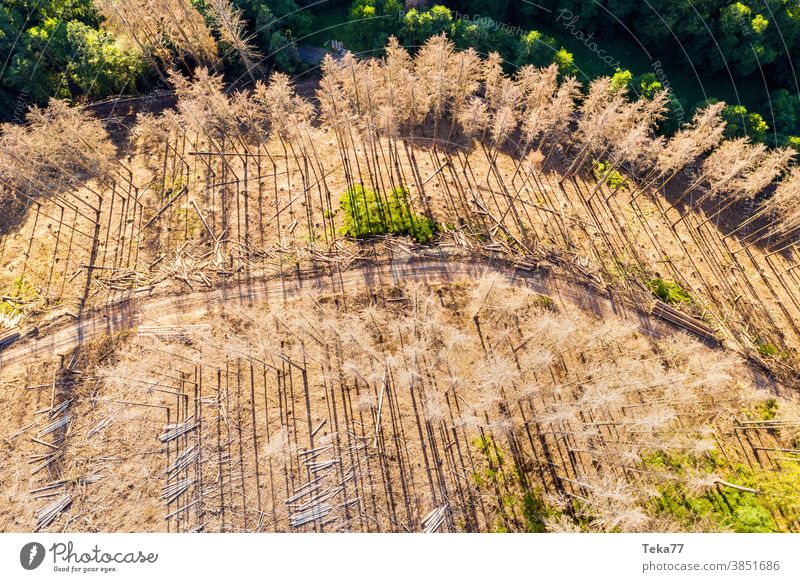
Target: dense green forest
59 48
83 50
744 53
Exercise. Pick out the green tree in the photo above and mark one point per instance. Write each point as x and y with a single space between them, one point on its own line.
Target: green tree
785 111
743 41
621 79
420 26
485 36
647 85
536 49
39 64
373 21
792 141
59 48
739 122
284 52
98 66
267 17
565 62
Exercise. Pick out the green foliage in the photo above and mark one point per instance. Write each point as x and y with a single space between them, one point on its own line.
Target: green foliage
647 85
284 51
275 26
725 43
621 79
669 291
536 49
98 65
792 141
485 36
602 170
565 61
740 123
8 311
420 26
494 474
20 290
743 40
58 48
284 16
768 349
487 446
752 519
535 511
372 22
23 290
785 111
764 410
366 213
728 508
546 302
718 35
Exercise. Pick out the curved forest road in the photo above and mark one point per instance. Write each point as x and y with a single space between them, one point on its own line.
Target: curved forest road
171 309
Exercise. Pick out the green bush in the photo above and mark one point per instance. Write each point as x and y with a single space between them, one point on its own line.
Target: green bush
614 179
371 22
420 26
535 511
536 49
565 61
59 49
792 141
767 348
368 214
669 291
739 122
763 410
621 79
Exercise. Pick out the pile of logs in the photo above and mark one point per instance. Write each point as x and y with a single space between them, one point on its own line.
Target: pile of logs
681 319
123 280
183 265
435 519
47 514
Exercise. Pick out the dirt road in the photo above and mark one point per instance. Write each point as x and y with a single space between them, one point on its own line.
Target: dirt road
171 310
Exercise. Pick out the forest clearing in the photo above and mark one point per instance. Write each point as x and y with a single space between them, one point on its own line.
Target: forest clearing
433 297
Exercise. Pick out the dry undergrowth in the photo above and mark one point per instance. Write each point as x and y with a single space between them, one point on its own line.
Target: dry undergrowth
484 403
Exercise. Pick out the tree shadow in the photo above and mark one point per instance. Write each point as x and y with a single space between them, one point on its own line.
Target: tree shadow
12 214
728 219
